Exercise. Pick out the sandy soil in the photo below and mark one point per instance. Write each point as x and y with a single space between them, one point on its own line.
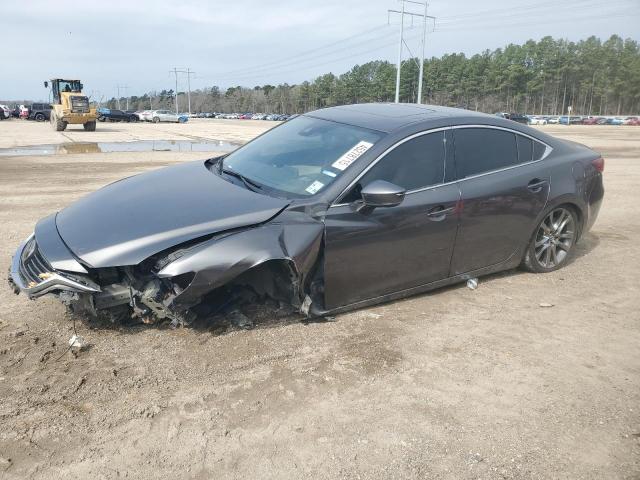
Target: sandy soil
454 384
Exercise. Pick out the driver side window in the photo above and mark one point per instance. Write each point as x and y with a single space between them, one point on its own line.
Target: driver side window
414 164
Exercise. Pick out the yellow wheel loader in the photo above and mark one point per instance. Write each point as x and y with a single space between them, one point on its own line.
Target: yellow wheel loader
70 106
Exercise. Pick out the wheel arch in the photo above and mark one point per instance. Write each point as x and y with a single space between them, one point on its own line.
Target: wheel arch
270 258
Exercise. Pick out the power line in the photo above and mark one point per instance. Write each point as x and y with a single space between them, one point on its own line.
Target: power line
307 52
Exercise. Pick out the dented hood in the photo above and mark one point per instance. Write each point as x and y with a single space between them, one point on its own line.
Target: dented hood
130 220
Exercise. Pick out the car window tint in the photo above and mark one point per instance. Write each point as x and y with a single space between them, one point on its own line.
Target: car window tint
525 149
538 150
414 164
479 150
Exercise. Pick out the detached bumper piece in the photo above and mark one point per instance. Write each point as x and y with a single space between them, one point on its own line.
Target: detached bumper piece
32 274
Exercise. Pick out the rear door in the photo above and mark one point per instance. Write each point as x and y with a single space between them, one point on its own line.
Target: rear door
370 254
504 188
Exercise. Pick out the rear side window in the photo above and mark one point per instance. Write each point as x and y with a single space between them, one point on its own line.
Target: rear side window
417 163
525 149
538 150
480 150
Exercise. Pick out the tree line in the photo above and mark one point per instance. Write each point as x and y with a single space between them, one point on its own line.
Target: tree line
545 77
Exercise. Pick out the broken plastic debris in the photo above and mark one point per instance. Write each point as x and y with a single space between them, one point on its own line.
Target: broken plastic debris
472 283
306 305
546 305
45 275
77 342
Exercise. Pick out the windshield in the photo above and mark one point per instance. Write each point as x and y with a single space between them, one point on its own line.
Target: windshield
69 86
301 156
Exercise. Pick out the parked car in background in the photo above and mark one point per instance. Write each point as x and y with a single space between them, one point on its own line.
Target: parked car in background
24 111
107 114
537 120
614 121
337 209
143 115
631 121
572 120
590 121
516 117
40 112
5 112
167 116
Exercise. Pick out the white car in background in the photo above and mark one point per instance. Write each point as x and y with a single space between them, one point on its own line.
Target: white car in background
167 116
5 112
537 120
144 115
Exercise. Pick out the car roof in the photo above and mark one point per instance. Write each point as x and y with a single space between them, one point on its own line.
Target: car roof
387 117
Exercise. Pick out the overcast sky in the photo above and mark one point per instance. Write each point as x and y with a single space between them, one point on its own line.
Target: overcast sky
251 42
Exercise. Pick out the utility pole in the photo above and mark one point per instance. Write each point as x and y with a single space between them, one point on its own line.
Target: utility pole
124 87
424 41
189 72
424 17
397 100
175 71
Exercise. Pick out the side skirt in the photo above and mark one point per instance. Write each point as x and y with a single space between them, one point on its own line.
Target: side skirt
510 263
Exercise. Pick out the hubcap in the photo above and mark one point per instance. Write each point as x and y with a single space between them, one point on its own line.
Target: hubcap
554 238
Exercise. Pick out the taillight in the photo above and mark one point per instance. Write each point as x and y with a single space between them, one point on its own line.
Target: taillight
599 164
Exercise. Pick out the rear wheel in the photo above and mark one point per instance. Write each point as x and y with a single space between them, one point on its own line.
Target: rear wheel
553 241
39 117
155 120
90 126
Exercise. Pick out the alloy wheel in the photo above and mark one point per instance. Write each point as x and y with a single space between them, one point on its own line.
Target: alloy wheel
554 238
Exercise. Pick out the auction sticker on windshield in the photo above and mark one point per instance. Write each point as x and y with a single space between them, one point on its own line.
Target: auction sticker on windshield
352 155
314 187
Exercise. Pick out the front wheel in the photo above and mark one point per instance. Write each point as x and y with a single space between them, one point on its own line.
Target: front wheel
90 126
39 117
58 124
552 241
156 119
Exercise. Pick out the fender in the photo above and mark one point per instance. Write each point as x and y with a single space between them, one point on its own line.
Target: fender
216 262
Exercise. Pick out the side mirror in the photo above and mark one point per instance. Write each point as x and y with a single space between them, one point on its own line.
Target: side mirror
81 87
46 84
382 194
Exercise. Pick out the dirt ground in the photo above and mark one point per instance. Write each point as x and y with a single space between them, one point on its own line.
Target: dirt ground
454 384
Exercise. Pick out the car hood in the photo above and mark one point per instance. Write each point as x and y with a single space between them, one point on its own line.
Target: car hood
132 219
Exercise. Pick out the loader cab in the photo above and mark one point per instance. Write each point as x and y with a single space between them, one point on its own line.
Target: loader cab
59 86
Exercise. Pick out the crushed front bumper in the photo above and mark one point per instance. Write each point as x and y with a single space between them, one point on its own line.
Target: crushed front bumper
32 274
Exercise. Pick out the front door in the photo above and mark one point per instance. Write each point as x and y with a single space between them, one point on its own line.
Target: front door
391 249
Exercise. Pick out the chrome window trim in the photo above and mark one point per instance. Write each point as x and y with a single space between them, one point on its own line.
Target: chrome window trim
547 152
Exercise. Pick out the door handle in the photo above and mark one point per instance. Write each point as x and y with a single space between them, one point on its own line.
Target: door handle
536 185
439 213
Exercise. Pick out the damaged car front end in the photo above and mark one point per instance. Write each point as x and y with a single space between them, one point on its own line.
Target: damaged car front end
177 244
196 279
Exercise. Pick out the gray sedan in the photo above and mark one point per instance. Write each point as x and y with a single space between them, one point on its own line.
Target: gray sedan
333 210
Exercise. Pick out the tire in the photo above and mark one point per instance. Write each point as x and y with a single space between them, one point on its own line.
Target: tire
90 126
155 120
101 119
39 117
552 242
57 124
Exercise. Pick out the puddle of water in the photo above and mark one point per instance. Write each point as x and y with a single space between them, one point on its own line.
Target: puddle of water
135 146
